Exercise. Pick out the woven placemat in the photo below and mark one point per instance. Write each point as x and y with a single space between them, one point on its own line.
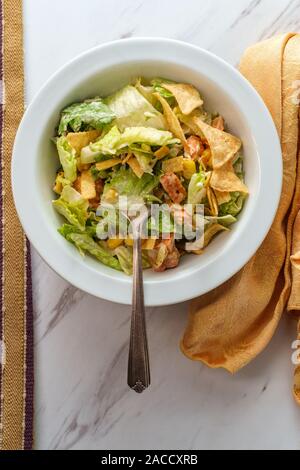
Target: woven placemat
16 316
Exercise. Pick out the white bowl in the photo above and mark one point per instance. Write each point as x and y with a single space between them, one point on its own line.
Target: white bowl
101 71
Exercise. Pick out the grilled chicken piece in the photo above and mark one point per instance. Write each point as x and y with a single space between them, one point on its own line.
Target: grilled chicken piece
194 147
172 257
173 187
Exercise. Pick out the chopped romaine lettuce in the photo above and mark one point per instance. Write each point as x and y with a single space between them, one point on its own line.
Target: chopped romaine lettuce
112 223
85 243
234 206
162 223
113 142
67 157
60 182
66 229
236 203
132 109
107 145
81 116
239 167
145 160
158 88
103 174
141 148
126 183
225 220
125 257
146 135
73 207
196 189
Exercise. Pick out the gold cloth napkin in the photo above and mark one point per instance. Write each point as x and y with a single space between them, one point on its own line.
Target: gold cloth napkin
231 325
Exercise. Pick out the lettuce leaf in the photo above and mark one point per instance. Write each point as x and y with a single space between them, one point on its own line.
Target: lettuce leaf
225 220
73 207
60 182
103 174
239 166
113 142
196 190
132 109
67 157
126 183
234 206
107 145
146 135
125 257
85 243
66 229
81 116
158 88
145 160
164 223
112 223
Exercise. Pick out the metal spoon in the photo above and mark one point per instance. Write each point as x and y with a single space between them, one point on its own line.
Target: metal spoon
138 360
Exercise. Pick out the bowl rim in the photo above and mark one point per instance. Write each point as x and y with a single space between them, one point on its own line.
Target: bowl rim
164 291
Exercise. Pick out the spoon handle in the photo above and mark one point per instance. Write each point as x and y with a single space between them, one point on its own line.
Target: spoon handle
138 360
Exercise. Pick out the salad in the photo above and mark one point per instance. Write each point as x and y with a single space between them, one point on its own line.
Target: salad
153 142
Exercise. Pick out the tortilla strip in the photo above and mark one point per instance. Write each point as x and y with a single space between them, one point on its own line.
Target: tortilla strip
223 146
209 233
222 196
173 165
172 120
78 140
188 121
135 166
212 200
187 96
212 231
225 180
108 163
87 185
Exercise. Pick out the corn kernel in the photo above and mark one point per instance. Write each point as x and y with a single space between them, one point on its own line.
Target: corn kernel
113 243
129 241
148 244
162 152
111 196
189 168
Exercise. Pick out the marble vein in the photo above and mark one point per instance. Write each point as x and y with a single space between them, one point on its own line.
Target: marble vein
246 12
287 20
65 302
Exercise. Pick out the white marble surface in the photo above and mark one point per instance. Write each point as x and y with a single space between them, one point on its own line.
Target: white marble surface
82 401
